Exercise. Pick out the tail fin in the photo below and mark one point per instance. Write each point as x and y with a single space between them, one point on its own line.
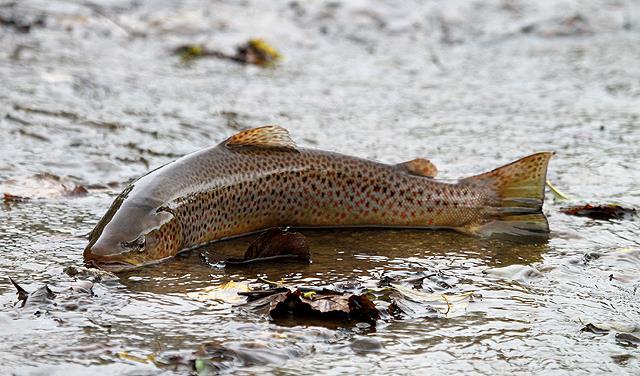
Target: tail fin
519 194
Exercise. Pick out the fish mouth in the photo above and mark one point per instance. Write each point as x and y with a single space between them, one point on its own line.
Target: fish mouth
111 266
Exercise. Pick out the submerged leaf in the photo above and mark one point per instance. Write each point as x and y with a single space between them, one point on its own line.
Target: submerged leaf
327 307
415 303
627 339
225 293
610 326
594 329
275 245
515 272
601 212
39 296
429 280
277 242
404 306
72 296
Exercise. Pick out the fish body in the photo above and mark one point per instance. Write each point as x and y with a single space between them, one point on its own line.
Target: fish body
259 179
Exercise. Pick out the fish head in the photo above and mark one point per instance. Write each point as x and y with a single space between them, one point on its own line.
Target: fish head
133 234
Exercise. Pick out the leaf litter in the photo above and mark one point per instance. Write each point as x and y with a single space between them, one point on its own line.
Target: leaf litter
415 303
334 307
422 294
624 332
605 212
76 296
255 51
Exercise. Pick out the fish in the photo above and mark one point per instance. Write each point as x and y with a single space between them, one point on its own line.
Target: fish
260 179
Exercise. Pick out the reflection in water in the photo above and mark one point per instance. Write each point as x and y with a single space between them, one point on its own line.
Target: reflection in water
337 256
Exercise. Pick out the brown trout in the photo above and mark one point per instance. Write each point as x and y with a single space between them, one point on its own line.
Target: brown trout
259 179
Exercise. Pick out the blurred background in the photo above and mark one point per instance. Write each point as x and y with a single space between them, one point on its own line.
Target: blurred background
95 94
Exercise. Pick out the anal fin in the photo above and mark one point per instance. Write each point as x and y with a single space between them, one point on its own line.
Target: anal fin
522 226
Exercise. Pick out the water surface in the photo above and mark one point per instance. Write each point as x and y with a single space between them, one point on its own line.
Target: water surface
94 94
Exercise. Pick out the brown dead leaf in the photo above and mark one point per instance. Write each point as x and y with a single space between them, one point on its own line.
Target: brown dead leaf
272 245
334 307
8 198
225 293
601 212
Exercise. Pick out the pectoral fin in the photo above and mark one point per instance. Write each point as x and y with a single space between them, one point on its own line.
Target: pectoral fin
419 167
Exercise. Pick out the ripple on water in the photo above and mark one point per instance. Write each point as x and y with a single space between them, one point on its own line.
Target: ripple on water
358 79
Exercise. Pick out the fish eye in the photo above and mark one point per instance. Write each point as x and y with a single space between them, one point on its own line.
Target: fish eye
135 245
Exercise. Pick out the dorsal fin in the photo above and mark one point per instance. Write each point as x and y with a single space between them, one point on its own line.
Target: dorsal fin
270 136
419 167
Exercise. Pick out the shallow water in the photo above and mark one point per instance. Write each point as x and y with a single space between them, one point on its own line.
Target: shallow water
95 94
